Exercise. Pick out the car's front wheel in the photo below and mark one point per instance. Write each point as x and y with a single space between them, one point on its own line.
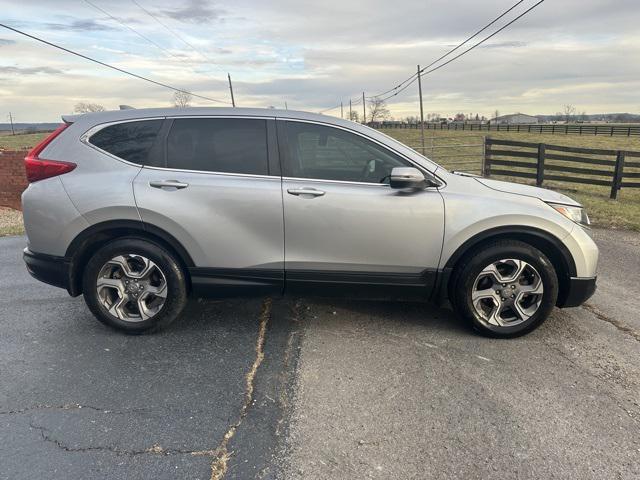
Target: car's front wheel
504 289
134 285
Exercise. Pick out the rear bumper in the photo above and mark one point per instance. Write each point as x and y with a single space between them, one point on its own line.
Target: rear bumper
578 292
48 268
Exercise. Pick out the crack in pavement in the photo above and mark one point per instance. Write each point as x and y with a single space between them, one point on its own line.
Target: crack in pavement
222 454
69 406
155 449
623 327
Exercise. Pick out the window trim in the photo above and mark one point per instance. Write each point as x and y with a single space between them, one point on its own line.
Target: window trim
272 144
283 144
280 147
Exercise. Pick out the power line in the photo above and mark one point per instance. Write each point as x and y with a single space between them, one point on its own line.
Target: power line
453 49
173 32
411 79
423 71
146 79
152 42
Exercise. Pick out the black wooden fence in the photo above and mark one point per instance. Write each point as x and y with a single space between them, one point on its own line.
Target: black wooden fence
544 128
540 161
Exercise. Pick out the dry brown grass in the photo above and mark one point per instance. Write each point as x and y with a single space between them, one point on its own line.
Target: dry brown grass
10 222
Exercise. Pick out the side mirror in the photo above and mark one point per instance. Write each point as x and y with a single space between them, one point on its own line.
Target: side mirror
408 177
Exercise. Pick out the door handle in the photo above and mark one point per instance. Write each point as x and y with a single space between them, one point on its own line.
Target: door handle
305 191
168 184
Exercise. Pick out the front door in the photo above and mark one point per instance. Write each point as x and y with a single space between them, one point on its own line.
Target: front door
217 191
346 231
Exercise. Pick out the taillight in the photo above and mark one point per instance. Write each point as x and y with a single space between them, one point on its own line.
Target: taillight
39 168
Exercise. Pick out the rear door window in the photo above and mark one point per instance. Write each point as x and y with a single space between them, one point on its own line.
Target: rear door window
227 145
131 141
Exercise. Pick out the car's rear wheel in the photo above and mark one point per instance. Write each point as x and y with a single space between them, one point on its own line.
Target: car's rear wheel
504 289
134 285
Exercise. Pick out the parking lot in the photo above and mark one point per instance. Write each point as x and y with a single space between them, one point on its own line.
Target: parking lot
307 388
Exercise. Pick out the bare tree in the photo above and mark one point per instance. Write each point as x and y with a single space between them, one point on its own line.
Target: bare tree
86 107
354 116
182 99
378 109
568 112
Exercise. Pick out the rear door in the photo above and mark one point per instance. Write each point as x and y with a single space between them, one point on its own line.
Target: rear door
215 186
346 231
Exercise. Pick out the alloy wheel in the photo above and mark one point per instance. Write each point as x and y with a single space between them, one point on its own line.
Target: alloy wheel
131 287
507 292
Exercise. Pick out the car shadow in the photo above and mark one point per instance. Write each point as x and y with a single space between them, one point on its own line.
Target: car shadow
427 316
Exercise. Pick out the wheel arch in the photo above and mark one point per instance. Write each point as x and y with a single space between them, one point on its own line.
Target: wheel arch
97 235
544 241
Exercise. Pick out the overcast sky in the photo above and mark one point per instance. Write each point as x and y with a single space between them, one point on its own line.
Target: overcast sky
314 54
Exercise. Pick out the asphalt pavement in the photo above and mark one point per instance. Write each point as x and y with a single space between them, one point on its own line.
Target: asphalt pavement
391 390
81 401
303 388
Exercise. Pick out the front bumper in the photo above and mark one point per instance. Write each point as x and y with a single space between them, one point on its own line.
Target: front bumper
48 268
579 290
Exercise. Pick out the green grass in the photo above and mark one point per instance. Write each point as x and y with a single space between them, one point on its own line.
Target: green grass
623 213
21 141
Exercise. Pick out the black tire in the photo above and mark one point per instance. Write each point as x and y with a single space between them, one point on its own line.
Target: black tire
175 281
466 272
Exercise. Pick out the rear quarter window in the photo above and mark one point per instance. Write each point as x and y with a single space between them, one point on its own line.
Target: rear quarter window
130 141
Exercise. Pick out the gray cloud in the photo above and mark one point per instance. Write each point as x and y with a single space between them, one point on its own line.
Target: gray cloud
6 41
197 11
510 44
80 26
28 70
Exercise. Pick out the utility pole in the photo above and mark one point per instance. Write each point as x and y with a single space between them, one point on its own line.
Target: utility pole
421 109
341 111
364 110
233 101
350 114
11 121
286 107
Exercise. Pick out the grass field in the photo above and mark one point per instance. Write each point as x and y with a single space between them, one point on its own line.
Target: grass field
622 213
22 141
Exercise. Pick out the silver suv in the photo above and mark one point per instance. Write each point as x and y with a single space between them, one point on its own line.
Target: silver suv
137 209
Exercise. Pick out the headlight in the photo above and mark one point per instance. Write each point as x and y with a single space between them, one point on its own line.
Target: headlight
575 214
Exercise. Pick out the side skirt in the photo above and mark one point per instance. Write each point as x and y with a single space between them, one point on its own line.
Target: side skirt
367 285
221 283
235 282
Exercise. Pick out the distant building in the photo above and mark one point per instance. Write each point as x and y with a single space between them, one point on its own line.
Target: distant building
515 119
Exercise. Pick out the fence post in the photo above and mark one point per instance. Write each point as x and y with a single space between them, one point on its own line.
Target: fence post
540 165
486 171
617 175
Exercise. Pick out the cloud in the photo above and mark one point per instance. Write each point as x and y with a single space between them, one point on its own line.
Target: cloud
512 44
28 70
197 11
80 26
6 41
